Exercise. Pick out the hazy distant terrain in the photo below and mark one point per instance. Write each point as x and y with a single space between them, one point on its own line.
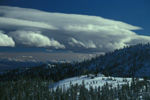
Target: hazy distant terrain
41 56
15 60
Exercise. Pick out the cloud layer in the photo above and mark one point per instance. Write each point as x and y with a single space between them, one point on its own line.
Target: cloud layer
79 33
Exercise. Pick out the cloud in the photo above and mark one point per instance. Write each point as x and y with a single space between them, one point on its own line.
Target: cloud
90 44
74 42
36 39
22 23
79 33
5 40
87 44
61 20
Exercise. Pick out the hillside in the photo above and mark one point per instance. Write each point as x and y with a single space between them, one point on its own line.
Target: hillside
91 81
89 87
132 61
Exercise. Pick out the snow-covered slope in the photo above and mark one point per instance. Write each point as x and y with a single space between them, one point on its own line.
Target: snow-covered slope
90 80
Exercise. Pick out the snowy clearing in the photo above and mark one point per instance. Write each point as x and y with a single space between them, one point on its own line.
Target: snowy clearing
91 80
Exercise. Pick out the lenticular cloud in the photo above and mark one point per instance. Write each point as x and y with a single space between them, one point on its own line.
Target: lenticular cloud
72 32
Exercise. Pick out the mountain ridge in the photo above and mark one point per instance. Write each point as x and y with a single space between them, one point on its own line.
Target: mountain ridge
130 61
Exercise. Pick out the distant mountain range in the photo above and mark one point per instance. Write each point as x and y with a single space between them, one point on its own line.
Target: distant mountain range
14 63
7 63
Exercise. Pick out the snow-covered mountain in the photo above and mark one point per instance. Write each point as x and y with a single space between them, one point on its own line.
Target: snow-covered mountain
131 61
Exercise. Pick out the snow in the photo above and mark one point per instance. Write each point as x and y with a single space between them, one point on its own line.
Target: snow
49 66
100 80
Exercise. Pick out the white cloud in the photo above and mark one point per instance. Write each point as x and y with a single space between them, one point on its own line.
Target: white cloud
87 44
36 39
74 32
90 44
74 42
23 23
5 40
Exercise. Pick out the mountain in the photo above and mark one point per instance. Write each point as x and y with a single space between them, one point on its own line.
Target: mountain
105 77
131 61
7 63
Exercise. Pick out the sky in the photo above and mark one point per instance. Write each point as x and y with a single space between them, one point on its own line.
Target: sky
73 26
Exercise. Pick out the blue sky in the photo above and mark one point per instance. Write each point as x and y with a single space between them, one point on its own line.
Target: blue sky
133 17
